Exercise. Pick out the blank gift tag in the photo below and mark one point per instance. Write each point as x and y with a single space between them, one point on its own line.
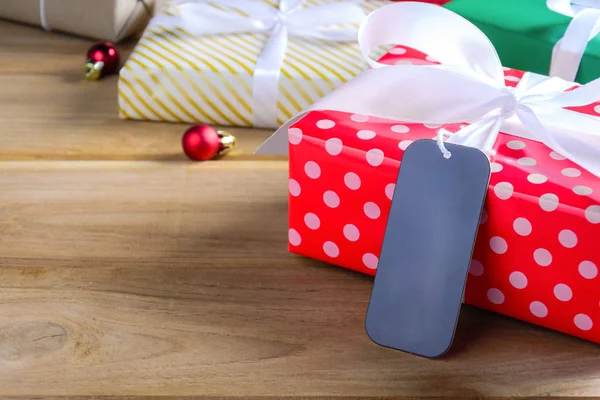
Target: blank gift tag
427 248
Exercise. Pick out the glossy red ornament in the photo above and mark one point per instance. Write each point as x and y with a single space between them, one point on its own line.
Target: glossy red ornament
102 59
203 142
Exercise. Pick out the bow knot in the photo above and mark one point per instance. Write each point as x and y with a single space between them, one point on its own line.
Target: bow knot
286 11
282 17
510 103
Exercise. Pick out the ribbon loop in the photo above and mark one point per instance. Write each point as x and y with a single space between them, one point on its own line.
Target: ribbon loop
511 104
423 30
585 25
201 17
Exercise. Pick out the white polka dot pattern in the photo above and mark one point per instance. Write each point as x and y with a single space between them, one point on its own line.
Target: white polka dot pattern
567 238
295 135
476 268
403 145
518 280
588 269
398 51
331 199
366 134
548 202
312 169
370 260
537 178
527 161
571 172
495 167
359 118
389 190
294 237
563 292
498 245
331 249
542 257
538 309
484 217
535 254
312 221
400 129
495 296
325 124
372 210
515 145
582 190
334 146
583 322
522 226
504 190
375 157
351 232
295 188
352 181
592 214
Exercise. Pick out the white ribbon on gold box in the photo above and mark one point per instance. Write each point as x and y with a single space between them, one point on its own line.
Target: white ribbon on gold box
242 62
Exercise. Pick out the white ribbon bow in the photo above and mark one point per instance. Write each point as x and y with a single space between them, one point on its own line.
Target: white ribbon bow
585 25
469 87
199 17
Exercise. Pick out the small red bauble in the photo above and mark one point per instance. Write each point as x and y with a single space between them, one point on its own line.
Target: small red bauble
102 59
203 142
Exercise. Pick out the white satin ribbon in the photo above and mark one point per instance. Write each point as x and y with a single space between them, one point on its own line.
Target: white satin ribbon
43 19
468 87
199 17
585 25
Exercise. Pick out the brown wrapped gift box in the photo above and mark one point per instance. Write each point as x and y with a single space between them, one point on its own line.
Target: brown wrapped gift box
111 20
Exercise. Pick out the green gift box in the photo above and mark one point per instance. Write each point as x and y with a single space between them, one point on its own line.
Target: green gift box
525 32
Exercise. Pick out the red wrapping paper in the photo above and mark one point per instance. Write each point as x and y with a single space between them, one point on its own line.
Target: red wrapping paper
536 257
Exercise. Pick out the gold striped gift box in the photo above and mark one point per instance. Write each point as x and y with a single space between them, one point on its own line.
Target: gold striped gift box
173 75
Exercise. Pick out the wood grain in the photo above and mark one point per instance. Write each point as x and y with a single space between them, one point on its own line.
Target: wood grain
131 278
125 272
49 112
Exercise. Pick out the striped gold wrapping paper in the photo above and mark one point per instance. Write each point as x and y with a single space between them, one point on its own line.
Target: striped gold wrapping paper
173 75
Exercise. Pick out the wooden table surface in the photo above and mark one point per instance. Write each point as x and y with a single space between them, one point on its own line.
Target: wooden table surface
127 270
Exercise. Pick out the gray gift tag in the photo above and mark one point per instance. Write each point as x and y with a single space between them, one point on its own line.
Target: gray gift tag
427 248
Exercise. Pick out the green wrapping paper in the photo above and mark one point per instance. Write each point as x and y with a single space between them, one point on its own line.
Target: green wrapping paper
524 33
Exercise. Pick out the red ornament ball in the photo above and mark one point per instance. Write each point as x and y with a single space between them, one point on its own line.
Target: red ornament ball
203 142
102 59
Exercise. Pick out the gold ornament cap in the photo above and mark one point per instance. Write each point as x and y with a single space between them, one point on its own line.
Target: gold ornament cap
93 70
228 141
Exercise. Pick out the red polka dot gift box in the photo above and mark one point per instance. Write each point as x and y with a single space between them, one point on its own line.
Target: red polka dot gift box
536 256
